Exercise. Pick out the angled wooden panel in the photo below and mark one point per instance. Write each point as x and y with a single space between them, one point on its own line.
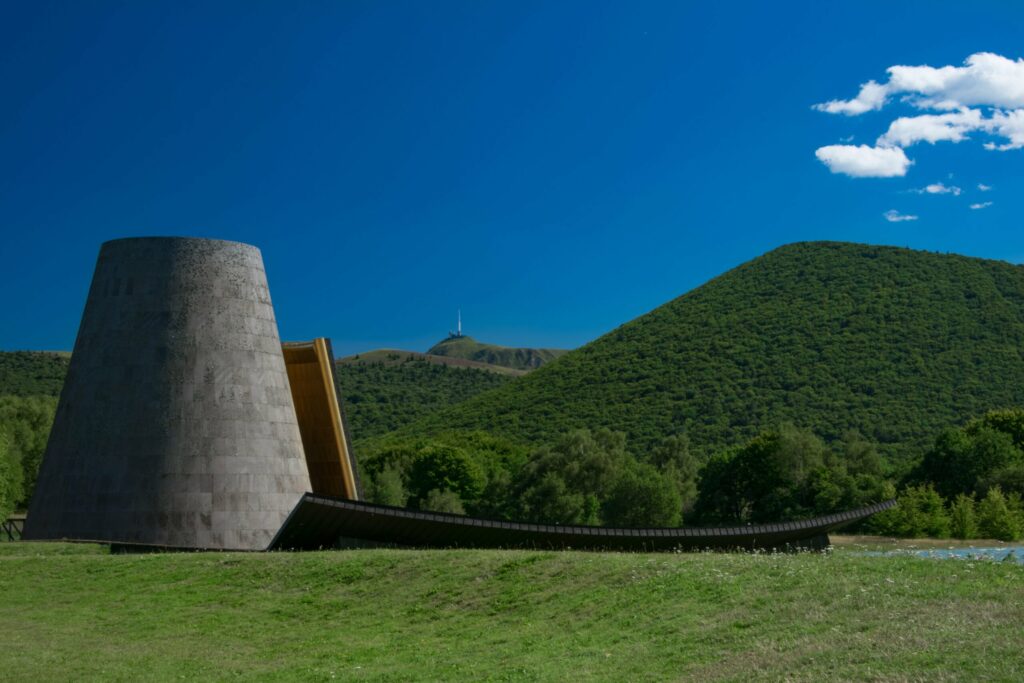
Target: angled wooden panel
329 459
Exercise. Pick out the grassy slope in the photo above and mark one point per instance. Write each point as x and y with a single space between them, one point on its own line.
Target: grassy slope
520 359
504 615
32 373
895 343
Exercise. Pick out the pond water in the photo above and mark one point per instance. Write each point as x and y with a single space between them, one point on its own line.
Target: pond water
1010 553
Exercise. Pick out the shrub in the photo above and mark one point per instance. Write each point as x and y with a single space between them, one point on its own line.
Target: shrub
984 453
10 477
962 522
443 501
643 497
919 512
446 468
388 488
550 501
27 422
675 460
995 519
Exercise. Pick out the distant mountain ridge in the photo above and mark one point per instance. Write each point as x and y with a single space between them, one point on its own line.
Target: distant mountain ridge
398 356
834 337
492 354
894 343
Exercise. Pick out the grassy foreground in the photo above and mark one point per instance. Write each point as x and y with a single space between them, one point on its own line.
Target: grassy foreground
74 612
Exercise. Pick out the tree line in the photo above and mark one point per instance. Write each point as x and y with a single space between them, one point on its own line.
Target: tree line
24 428
969 484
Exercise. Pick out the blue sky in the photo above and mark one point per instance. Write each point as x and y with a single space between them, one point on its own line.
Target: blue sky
553 168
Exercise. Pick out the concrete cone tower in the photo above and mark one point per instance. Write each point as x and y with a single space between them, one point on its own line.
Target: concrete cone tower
176 425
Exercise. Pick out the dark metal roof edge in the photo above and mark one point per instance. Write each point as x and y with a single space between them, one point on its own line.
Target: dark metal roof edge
823 522
284 524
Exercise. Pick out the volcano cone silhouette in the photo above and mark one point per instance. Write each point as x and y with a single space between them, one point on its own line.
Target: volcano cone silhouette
176 425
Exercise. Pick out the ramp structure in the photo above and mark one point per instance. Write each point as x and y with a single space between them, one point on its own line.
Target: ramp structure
184 423
320 521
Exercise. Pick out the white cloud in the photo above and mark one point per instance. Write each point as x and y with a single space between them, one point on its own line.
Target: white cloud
981 205
871 97
985 95
986 79
1007 124
939 188
907 130
862 161
983 187
894 216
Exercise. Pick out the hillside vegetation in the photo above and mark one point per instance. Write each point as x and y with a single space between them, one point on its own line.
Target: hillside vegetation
32 373
73 613
397 357
383 391
382 396
470 349
892 343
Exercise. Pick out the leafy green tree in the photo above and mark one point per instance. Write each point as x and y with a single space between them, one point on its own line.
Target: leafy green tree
590 462
643 497
886 522
567 482
1009 421
10 477
446 468
924 513
720 496
919 512
493 466
828 489
497 499
991 451
675 460
443 501
995 519
27 421
962 522
860 456
549 500
772 478
984 453
388 488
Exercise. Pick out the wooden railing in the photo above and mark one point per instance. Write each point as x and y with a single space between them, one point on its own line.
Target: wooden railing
12 528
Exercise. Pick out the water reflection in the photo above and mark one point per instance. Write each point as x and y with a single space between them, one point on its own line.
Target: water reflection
1013 553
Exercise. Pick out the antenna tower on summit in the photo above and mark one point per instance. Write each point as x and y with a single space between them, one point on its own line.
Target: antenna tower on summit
458 332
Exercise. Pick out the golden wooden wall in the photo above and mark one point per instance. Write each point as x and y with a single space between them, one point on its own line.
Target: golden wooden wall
311 375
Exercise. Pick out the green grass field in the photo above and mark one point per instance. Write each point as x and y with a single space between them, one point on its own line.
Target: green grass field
75 612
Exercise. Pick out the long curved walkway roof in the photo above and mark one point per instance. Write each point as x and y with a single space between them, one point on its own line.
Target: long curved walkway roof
318 521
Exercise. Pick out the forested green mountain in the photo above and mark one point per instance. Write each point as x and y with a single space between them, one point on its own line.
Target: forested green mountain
397 357
382 396
470 349
32 373
382 392
833 337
